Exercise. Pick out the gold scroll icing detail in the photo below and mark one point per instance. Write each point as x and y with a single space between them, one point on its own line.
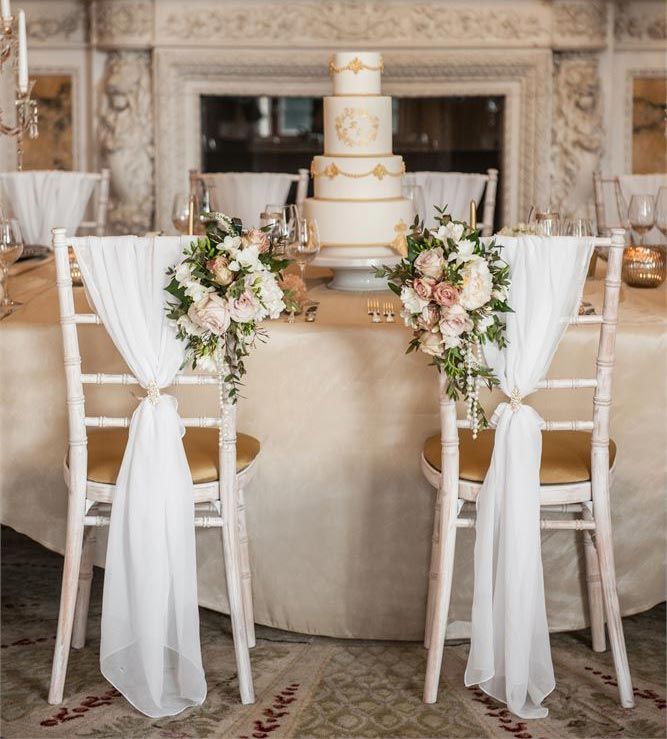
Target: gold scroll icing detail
400 243
357 127
332 171
356 66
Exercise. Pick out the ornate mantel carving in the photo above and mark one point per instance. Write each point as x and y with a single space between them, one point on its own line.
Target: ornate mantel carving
126 140
122 23
580 24
577 131
640 23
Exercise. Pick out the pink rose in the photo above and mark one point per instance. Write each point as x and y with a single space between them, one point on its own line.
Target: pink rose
211 313
429 317
255 237
455 321
445 294
424 287
431 262
219 268
244 308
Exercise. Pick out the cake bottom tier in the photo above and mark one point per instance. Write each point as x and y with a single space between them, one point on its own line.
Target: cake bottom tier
348 224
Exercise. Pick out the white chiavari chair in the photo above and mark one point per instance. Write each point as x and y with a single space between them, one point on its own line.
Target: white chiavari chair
246 194
98 223
221 462
456 190
577 464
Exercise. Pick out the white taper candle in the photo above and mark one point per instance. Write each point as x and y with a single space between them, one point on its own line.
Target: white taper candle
5 9
23 55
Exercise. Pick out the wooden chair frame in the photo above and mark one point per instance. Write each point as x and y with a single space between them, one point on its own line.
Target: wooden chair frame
99 224
302 178
590 499
217 504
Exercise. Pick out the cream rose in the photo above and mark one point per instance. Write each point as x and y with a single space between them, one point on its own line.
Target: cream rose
430 342
255 237
423 286
244 308
445 294
219 268
455 321
430 262
211 313
428 318
477 285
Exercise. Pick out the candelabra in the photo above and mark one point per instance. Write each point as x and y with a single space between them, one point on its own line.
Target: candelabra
26 117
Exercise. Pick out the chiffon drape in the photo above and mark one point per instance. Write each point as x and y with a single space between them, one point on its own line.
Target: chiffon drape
150 648
510 657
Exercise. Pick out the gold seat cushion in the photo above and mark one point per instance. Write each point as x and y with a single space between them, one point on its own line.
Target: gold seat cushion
566 456
107 446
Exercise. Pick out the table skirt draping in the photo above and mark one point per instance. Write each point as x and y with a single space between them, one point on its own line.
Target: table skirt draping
339 515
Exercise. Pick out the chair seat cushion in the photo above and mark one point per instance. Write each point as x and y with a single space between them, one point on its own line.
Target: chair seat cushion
566 456
107 446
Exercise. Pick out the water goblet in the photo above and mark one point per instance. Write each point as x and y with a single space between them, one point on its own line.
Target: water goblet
11 248
641 215
661 210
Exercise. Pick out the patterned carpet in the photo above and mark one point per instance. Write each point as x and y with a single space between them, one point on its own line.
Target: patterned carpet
306 686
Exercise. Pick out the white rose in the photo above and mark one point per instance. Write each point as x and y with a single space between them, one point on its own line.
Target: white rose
196 290
411 300
477 285
270 294
244 308
430 263
248 258
430 342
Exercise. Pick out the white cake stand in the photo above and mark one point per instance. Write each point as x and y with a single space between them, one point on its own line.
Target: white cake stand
356 273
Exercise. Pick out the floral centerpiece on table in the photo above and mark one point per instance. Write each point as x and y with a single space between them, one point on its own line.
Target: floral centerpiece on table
453 287
226 284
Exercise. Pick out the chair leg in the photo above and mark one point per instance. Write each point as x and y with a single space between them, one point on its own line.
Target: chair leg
594 586
433 571
605 552
72 564
443 588
246 575
232 555
83 594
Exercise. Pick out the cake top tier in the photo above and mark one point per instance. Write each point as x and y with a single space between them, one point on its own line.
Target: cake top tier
356 72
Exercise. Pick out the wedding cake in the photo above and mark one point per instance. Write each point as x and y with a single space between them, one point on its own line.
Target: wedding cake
358 204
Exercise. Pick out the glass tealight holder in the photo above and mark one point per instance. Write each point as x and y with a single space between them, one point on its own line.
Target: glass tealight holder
644 266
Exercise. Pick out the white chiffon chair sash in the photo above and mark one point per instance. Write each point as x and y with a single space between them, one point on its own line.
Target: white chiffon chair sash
42 200
455 189
510 656
245 194
150 648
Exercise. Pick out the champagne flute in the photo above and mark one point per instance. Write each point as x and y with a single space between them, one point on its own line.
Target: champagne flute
288 230
180 212
11 248
661 210
641 215
308 245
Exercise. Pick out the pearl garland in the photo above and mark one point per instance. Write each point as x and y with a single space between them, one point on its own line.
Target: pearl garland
473 358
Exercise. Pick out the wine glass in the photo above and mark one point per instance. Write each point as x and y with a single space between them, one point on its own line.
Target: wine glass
288 230
11 248
661 210
415 193
307 247
641 215
579 227
180 212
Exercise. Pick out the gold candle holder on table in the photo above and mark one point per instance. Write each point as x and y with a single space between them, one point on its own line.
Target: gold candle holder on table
644 266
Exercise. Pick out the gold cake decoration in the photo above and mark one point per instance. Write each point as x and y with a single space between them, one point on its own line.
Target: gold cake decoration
379 171
400 242
357 127
355 66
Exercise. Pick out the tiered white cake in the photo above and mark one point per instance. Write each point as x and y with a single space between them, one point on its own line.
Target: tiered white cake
361 215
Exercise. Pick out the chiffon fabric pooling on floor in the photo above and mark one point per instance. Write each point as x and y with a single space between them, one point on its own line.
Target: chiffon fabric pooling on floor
510 657
150 648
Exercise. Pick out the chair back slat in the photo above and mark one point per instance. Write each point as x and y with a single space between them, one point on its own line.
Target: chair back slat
101 205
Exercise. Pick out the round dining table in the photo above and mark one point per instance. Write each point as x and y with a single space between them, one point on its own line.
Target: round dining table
339 513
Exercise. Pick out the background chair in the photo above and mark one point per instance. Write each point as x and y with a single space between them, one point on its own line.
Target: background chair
221 465
41 200
577 462
456 190
245 195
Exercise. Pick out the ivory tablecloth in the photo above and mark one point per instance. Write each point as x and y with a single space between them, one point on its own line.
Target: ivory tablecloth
339 515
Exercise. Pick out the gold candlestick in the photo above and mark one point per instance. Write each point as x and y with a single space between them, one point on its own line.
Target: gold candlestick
473 215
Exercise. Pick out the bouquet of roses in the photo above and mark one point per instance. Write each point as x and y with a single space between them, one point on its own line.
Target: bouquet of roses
453 287
226 284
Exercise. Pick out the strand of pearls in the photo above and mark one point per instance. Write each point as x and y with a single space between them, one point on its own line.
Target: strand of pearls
472 361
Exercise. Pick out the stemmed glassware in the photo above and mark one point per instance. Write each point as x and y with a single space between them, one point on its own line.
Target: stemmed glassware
11 248
307 246
641 215
661 210
180 212
288 230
